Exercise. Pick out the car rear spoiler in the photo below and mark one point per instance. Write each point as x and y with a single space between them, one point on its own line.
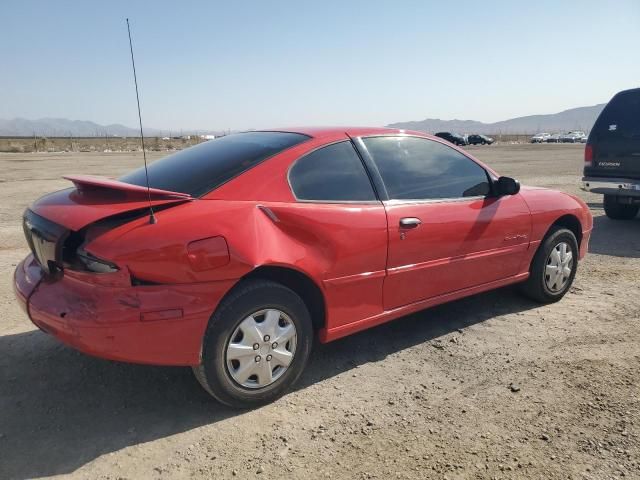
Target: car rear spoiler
97 198
87 183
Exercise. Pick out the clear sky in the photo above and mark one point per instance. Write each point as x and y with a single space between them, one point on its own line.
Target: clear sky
256 64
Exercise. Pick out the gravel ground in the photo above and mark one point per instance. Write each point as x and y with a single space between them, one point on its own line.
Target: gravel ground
493 386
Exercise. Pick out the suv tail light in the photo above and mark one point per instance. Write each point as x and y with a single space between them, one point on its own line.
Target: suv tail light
588 155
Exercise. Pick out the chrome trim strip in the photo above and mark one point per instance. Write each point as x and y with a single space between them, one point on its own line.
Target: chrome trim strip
392 203
454 260
341 202
357 277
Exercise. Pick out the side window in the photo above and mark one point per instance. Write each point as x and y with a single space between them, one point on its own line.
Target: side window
333 173
415 168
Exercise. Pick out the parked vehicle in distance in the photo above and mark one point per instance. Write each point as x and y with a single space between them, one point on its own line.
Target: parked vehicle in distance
454 138
566 138
554 138
265 240
540 137
572 137
477 139
612 156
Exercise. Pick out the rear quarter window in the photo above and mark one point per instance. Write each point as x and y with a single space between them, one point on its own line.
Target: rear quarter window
204 167
333 173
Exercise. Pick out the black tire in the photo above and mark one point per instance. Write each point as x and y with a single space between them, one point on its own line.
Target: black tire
246 299
536 286
619 211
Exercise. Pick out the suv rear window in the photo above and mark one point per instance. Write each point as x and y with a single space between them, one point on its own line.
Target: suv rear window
620 117
204 167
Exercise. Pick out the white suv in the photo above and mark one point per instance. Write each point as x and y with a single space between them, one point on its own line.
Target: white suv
540 137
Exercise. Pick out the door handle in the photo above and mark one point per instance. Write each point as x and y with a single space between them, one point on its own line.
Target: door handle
410 222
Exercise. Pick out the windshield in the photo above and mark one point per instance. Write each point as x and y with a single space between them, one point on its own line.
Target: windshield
200 169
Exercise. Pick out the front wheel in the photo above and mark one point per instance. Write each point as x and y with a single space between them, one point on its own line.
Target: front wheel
619 211
256 345
553 267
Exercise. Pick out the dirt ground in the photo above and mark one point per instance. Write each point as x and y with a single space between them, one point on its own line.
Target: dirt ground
426 396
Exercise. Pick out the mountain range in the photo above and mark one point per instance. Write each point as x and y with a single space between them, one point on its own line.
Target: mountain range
581 118
63 127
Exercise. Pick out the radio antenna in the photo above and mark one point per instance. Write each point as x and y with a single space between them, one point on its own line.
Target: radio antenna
152 217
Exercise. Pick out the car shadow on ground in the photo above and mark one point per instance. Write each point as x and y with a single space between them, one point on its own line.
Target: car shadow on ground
60 409
618 238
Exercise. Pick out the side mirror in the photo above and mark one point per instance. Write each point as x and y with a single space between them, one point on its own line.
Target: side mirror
507 186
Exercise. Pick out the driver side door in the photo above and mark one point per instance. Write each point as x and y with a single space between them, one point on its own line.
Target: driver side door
447 231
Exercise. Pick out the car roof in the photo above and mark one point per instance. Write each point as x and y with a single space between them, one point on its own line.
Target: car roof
629 90
318 132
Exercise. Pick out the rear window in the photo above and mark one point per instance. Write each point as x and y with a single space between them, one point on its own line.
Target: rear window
200 169
621 116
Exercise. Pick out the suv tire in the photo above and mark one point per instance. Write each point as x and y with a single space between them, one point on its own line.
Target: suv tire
619 211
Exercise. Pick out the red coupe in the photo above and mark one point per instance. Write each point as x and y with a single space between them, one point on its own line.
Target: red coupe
260 241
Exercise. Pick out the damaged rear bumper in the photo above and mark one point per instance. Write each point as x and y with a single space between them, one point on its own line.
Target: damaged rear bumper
152 324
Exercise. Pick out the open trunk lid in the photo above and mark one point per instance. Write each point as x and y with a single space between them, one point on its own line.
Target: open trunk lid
52 218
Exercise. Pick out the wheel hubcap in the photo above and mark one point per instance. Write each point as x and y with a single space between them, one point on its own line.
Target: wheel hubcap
559 267
261 348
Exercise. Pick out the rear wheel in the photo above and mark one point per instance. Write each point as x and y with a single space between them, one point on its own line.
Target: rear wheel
619 211
553 267
256 345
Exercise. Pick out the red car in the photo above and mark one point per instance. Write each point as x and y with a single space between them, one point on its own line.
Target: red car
262 240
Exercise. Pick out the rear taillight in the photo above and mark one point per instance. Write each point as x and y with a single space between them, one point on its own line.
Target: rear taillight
588 155
90 263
